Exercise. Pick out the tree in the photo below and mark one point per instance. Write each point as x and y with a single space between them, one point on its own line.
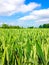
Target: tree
44 26
5 26
40 26
10 26
31 27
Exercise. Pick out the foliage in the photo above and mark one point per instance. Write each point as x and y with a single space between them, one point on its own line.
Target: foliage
31 27
19 27
24 46
10 26
44 26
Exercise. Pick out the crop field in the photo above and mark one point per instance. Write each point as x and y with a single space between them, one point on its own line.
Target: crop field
24 46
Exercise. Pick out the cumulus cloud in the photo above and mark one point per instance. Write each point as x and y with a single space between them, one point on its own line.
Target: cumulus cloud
9 7
37 16
42 12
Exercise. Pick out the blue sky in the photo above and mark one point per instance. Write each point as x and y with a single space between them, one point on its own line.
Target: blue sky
24 12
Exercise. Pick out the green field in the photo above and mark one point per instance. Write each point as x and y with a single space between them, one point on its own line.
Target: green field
24 46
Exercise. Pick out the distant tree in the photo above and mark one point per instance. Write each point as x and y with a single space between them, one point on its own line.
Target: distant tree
31 27
44 26
5 26
40 26
10 26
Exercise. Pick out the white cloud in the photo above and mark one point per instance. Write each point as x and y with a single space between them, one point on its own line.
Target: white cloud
29 7
27 18
37 16
42 12
8 7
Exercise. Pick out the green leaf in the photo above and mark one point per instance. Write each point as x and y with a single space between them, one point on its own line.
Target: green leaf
40 53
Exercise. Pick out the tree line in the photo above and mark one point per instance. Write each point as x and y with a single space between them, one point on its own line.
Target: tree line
44 26
10 26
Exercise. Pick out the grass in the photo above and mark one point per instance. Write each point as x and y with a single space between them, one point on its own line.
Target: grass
24 46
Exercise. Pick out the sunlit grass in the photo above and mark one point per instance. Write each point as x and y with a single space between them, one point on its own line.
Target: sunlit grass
24 46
